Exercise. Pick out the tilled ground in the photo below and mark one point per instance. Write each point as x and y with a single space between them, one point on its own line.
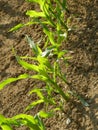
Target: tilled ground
82 72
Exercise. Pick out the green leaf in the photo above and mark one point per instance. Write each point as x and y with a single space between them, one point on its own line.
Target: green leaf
38 92
46 53
5 127
80 98
10 80
37 1
32 44
40 122
4 123
49 34
2 119
27 65
61 53
30 23
58 88
57 109
16 27
13 122
27 120
44 114
83 101
44 62
35 14
25 117
33 104
27 57
35 48
40 77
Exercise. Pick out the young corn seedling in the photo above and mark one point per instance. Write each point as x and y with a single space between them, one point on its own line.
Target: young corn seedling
44 72
32 122
52 19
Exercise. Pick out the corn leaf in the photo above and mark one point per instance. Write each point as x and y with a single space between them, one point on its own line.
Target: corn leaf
61 53
16 27
40 122
4 124
37 1
27 65
49 34
35 14
2 119
5 127
32 44
10 80
38 92
44 114
33 104
40 77
28 120
44 62
80 98
35 48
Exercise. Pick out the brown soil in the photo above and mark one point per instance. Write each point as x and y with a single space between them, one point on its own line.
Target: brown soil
82 72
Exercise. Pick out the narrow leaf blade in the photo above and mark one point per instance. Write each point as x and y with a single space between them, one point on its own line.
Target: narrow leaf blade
27 65
16 27
33 104
35 14
10 80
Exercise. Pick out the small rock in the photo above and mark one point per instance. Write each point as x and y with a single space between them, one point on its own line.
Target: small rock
68 121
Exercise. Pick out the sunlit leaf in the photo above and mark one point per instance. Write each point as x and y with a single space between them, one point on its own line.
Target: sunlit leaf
40 77
27 65
4 124
16 27
5 127
10 80
35 14
37 1
28 120
33 104
44 114
49 34
38 92
61 53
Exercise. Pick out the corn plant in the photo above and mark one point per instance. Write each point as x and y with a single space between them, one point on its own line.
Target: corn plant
44 72
52 19
55 27
32 122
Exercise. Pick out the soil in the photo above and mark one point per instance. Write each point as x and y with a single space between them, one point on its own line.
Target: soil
82 71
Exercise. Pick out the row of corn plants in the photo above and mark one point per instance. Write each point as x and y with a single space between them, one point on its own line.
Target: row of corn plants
47 65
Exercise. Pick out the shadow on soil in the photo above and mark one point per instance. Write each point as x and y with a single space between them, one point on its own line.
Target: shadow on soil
88 43
88 39
85 114
11 15
8 9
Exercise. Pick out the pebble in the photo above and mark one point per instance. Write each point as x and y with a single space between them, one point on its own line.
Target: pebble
68 121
